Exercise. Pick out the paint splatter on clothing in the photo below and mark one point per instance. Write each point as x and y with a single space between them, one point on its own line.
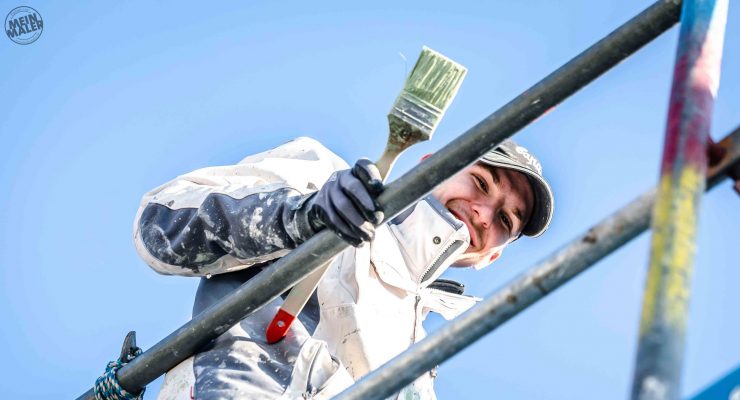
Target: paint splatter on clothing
226 224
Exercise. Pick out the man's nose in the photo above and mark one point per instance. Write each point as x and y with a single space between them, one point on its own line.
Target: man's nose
484 213
487 208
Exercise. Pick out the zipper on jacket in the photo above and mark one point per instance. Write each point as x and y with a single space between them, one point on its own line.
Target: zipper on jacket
440 259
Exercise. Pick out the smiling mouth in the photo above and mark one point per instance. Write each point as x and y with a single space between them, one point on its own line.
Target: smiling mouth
471 231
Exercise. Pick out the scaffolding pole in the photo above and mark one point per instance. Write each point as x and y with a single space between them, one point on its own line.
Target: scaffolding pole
399 194
665 301
542 279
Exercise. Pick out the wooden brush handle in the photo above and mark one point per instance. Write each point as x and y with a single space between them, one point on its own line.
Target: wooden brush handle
386 161
302 291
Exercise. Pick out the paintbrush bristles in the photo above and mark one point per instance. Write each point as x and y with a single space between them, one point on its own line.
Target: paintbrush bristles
429 90
435 79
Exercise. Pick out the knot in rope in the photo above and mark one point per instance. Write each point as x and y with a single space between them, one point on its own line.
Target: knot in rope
107 386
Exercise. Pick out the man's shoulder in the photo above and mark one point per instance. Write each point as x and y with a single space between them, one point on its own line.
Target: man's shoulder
301 148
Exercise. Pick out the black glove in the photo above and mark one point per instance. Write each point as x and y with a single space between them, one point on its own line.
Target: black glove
346 203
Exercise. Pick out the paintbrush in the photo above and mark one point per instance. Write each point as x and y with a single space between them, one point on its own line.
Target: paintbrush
428 92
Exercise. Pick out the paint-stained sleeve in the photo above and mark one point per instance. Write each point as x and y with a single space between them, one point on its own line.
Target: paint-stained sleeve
222 219
193 241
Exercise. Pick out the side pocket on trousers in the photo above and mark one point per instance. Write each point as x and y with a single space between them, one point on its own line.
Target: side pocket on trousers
316 374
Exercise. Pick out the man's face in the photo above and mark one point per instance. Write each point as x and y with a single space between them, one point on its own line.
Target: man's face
494 203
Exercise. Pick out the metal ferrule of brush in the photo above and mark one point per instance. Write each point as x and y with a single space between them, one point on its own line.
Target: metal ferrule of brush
413 117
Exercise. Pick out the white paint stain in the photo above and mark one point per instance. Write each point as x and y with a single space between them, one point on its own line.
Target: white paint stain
203 214
653 388
168 246
252 229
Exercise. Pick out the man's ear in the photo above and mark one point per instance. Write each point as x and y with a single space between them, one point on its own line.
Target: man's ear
425 156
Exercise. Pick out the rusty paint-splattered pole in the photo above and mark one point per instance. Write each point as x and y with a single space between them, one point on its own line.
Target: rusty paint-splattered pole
665 302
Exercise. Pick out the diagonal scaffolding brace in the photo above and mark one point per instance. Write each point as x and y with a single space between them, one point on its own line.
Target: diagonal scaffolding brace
539 281
399 194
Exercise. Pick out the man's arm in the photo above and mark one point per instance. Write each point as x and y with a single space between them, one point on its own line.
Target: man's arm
223 233
221 219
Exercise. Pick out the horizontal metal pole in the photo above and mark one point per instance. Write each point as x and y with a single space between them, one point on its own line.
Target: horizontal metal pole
557 269
401 193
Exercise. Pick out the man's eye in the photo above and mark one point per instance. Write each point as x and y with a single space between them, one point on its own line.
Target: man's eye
505 219
483 185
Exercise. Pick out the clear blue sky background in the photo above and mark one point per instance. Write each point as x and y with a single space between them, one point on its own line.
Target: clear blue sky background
115 99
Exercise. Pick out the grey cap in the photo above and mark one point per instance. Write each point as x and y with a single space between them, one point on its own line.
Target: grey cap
513 156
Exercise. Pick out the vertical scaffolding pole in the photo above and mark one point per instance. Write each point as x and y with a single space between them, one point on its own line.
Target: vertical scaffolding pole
682 179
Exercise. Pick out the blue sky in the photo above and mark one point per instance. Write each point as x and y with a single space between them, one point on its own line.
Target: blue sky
115 99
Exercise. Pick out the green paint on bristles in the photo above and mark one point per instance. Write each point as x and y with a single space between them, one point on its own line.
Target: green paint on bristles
428 91
435 79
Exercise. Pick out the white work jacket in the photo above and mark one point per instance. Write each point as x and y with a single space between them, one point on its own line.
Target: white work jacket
225 224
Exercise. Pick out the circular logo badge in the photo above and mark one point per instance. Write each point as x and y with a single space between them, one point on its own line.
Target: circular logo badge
23 25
